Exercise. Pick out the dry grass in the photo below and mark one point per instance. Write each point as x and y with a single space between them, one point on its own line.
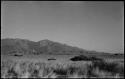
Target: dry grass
37 69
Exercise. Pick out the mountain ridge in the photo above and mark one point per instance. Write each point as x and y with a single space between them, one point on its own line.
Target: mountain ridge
42 46
27 47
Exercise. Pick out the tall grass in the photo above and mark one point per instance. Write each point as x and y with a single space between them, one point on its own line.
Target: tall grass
33 69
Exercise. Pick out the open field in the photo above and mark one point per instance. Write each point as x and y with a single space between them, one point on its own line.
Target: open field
61 67
62 39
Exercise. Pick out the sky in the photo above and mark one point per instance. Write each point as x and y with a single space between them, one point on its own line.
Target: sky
89 25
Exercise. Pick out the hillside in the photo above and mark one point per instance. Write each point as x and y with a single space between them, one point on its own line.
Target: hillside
22 46
26 47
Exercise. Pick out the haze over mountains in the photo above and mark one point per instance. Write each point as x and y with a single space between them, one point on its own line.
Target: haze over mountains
11 46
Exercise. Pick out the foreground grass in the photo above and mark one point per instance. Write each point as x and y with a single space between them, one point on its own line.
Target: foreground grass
37 69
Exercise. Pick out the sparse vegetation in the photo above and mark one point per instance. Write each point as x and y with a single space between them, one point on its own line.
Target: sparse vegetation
34 69
35 54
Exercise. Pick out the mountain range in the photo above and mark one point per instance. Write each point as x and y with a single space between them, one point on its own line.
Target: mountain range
10 46
23 46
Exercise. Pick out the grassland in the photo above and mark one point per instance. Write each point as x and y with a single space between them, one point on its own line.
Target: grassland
62 67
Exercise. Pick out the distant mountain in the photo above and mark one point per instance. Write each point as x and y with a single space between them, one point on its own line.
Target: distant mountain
11 46
23 46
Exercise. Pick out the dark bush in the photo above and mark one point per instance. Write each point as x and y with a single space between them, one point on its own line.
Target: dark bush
80 58
18 55
51 59
85 58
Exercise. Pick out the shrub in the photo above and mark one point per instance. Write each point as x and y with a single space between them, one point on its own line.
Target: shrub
85 58
33 69
112 67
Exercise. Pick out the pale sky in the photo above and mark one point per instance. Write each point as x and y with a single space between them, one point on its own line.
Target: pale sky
89 25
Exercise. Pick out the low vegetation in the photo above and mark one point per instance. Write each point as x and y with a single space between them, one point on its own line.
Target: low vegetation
85 58
37 69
